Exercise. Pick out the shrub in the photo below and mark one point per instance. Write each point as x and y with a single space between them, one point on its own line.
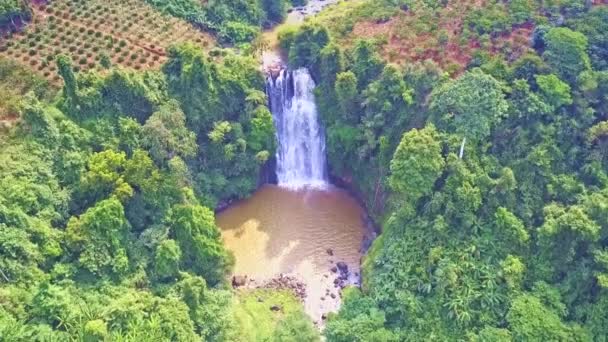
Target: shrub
236 32
104 61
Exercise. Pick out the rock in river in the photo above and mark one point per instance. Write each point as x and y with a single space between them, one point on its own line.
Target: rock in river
238 281
342 267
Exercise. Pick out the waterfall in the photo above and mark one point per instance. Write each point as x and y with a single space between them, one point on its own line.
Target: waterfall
301 160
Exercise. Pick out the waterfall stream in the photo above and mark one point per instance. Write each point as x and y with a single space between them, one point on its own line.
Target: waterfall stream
301 160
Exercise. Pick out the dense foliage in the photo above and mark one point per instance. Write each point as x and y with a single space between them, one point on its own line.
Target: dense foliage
106 231
491 185
234 21
13 13
489 178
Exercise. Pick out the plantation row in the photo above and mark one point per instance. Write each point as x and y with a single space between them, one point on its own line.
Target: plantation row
96 35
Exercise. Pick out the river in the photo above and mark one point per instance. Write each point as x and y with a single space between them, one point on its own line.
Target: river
303 227
284 231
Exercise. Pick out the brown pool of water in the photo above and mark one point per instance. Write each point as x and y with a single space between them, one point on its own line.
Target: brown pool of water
279 231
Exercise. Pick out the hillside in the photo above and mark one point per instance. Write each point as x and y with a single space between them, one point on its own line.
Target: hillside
468 139
96 35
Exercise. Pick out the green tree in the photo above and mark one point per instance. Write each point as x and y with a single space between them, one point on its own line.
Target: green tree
366 64
165 134
566 52
167 257
100 238
194 229
70 86
331 64
348 96
104 177
556 92
417 164
530 320
306 46
275 11
470 105
359 320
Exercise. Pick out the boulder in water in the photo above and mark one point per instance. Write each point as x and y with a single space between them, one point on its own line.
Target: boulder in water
343 267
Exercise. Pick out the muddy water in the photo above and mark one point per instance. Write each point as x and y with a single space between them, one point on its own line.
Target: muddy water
280 231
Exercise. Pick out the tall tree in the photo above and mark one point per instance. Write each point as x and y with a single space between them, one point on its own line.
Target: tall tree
470 105
417 164
566 52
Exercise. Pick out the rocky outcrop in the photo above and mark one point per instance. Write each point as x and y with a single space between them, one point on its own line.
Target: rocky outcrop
285 282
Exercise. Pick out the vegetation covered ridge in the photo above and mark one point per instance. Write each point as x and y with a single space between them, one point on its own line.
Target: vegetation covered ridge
96 35
489 179
105 227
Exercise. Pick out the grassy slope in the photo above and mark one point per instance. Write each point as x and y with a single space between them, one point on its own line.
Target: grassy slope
255 319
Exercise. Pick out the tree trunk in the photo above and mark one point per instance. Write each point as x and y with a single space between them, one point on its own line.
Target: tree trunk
464 140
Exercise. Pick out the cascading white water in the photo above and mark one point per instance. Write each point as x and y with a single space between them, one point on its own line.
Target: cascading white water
301 160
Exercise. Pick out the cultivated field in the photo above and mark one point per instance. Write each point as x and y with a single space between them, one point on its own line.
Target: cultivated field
97 34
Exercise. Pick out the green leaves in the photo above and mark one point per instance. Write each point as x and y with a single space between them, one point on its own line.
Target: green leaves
470 105
530 320
417 164
193 227
566 52
555 91
100 238
165 134
167 258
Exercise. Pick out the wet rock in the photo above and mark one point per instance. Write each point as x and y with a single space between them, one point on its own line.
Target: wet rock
283 282
333 296
276 308
342 267
334 269
330 251
238 281
337 281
